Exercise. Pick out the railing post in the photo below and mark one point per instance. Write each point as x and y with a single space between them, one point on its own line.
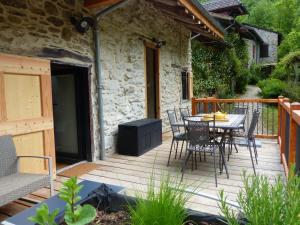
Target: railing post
293 134
205 105
280 98
282 128
194 106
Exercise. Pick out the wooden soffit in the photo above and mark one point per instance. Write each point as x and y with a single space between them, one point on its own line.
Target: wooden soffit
98 4
187 12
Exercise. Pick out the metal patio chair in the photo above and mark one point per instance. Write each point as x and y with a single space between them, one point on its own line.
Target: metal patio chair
200 139
13 183
231 137
250 137
184 112
177 135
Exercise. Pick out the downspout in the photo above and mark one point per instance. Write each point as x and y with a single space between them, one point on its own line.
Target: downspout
99 73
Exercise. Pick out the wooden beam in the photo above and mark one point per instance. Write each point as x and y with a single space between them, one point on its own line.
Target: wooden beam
293 135
93 4
190 7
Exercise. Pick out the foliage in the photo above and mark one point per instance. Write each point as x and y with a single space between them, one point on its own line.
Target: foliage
256 74
75 215
220 72
272 88
279 15
43 216
265 203
165 206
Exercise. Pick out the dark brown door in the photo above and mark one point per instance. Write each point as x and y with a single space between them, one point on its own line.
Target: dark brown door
152 76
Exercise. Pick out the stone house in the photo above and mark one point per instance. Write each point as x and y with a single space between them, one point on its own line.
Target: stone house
71 71
262 43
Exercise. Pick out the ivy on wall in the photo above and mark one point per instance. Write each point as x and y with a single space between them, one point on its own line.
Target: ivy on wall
220 71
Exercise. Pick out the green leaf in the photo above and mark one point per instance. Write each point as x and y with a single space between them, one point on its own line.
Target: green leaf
43 216
83 215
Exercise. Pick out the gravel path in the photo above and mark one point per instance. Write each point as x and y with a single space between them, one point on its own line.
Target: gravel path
252 92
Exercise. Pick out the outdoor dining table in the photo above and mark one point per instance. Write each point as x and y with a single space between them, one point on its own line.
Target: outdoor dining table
232 123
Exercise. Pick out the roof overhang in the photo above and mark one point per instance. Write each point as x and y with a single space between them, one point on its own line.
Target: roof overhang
188 12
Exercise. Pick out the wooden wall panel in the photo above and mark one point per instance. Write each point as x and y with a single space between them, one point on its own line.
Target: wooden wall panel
3 116
31 144
26 109
23 97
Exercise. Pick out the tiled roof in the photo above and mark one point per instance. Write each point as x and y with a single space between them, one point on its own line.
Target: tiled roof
220 4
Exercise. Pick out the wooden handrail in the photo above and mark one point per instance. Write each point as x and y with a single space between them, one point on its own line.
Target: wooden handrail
234 100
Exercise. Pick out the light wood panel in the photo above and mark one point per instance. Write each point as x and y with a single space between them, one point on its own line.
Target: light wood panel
26 109
22 97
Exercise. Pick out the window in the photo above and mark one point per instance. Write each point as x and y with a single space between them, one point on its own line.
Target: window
264 51
185 85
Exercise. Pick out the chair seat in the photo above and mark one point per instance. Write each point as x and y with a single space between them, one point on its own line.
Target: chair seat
18 185
180 136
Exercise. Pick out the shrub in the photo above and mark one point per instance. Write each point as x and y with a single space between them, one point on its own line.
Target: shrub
272 88
165 206
265 203
256 74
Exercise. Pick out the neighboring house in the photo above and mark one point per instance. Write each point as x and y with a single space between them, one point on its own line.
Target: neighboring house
262 43
144 48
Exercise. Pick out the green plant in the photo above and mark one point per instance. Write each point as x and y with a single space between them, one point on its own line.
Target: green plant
43 216
263 202
166 206
75 215
272 88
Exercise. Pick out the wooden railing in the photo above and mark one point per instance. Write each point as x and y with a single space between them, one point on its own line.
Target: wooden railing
289 133
279 119
268 122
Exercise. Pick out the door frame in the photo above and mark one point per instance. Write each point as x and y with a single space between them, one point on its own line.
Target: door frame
157 77
90 139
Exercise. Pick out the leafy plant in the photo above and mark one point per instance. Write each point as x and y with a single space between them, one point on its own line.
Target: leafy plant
165 206
75 215
272 88
43 216
265 203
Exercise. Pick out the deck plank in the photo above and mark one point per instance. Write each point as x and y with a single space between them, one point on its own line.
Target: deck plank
134 173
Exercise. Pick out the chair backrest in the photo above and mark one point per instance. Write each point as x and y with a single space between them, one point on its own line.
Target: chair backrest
8 156
184 112
198 133
173 119
253 123
241 110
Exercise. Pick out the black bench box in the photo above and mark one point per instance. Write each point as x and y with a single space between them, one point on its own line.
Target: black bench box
137 137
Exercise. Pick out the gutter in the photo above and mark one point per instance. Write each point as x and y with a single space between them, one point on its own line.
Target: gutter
99 72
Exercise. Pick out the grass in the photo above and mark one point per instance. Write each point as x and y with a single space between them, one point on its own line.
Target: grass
165 206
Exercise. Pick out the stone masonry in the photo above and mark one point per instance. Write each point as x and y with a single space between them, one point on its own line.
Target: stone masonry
122 50
31 28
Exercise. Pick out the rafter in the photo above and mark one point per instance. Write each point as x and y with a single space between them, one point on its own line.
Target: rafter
92 4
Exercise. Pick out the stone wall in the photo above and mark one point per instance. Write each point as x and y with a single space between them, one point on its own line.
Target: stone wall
122 51
42 28
271 39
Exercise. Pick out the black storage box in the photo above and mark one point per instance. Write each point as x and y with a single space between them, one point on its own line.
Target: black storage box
137 137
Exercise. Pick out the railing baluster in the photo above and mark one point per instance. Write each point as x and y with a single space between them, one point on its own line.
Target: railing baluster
267 119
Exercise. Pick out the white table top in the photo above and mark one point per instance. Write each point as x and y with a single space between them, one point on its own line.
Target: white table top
234 121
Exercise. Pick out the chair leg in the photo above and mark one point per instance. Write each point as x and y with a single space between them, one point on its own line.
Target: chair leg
176 149
181 149
224 162
255 150
250 150
196 167
51 187
185 162
170 152
192 161
215 169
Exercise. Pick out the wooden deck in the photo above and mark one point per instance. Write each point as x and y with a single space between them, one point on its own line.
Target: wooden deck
134 173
